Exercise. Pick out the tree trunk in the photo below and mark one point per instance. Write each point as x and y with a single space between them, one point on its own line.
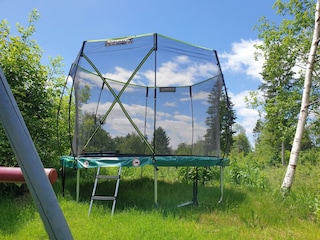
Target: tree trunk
288 179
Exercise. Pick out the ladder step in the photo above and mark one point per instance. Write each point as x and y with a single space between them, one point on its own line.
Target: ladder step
103 198
108 177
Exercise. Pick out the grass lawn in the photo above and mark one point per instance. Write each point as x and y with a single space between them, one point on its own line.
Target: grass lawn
246 212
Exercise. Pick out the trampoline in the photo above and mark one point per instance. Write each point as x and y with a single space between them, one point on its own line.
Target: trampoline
145 100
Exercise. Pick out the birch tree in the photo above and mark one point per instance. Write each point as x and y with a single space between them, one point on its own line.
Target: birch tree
289 176
285 47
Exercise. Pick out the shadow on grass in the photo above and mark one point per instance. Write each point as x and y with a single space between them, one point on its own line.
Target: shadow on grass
134 193
138 193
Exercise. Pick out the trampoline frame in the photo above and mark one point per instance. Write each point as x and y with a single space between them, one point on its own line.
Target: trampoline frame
94 160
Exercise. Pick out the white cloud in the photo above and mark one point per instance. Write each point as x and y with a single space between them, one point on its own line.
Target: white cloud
120 74
181 71
170 104
241 59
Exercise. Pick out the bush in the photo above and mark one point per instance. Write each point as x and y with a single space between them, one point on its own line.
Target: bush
310 156
203 174
246 172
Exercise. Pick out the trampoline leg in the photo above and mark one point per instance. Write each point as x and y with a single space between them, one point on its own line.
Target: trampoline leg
195 189
156 186
221 184
78 185
63 179
195 192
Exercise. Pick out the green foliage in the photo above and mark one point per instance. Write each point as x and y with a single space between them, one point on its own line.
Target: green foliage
202 174
310 156
241 144
285 48
184 149
240 141
245 171
65 112
131 144
270 154
35 87
101 140
161 142
222 107
227 120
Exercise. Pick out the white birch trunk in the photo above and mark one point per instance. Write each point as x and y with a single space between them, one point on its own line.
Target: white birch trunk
288 179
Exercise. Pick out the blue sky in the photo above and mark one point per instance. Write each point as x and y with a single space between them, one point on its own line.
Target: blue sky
226 26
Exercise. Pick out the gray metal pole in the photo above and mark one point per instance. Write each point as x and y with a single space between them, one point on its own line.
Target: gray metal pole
221 183
31 165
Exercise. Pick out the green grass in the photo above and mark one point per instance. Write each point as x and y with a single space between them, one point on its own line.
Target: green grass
246 212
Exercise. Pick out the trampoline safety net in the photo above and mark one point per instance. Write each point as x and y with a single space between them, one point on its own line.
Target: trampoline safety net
146 94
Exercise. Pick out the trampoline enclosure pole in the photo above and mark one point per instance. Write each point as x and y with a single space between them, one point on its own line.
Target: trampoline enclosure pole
31 165
221 183
78 185
155 186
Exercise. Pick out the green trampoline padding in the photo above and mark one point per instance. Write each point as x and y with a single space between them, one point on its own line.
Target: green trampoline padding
140 161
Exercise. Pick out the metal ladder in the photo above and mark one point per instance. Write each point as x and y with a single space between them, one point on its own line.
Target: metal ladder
106 198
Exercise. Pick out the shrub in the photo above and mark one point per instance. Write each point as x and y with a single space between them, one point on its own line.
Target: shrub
203 174
246 172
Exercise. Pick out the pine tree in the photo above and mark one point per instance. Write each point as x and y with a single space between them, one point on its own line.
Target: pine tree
161 142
